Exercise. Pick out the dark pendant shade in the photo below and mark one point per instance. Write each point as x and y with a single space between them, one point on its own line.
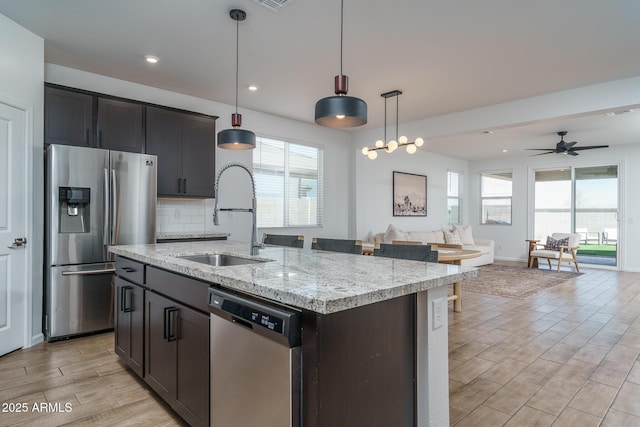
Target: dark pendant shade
236 139
353 109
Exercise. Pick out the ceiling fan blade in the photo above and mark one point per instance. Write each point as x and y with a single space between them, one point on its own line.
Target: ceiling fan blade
571 153
540 154
568 145
590 147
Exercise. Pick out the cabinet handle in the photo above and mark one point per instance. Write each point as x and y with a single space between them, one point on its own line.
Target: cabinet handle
124 307
184 185
128 269
88 138
170 323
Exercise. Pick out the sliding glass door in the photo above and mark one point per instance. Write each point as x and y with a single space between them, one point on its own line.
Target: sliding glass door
580 200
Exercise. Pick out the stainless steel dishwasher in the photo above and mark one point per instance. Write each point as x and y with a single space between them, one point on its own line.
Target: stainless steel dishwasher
255 362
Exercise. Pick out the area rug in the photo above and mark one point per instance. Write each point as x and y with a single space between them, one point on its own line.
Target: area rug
515 282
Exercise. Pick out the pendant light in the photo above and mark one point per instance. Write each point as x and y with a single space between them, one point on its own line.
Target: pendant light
236 138
391 146
341 111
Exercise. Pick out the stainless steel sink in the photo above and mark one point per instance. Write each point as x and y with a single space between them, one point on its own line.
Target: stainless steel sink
221 260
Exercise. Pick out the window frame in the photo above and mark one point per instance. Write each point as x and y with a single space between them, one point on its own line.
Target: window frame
458 198
483 198
285 171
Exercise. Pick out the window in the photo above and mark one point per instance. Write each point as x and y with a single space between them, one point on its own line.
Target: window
454 197
288 183
496 190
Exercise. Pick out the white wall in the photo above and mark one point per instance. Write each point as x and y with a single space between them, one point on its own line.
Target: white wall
510 240
374 184
336 144
21 84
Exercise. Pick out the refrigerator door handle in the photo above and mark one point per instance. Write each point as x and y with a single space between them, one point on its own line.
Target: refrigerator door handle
105 227
88 272
114 209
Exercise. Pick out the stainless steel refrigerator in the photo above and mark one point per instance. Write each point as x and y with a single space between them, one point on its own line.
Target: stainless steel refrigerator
94 198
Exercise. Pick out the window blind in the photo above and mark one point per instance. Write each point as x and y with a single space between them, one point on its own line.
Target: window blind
289 185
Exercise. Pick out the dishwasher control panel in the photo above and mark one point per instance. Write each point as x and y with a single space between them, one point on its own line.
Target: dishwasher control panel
278 321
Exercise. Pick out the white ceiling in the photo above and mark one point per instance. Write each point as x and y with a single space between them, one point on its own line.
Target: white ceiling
446 56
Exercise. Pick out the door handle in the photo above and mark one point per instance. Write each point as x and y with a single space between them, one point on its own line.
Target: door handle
124 307
88 272
170 323
18 242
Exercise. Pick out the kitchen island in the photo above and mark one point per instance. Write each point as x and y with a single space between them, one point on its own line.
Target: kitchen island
374 330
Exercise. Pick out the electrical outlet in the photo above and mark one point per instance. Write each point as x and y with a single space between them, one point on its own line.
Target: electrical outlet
438 313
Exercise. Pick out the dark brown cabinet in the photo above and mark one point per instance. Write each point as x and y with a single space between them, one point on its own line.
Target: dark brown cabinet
185 146
74 117
68 117
129 324
177 357
120 125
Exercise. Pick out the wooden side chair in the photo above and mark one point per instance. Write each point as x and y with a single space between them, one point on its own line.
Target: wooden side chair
562 247
283 240
337 245
406 251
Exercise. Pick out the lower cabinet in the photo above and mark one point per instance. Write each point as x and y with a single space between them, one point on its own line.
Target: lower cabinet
129 324
177 356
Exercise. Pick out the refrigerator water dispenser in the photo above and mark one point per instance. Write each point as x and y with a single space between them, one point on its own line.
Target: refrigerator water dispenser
73 207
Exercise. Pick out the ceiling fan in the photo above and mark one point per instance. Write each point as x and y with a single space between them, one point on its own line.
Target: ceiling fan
565 147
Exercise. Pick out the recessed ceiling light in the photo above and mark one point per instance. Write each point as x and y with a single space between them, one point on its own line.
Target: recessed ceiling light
504 150
151 59
486 132
252 88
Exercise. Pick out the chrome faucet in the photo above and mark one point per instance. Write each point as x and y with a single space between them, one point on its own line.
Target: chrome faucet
255 245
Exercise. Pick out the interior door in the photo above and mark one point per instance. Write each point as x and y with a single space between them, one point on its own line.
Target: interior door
13 225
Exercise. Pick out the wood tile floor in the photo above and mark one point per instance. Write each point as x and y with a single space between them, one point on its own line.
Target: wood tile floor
86 375
566 357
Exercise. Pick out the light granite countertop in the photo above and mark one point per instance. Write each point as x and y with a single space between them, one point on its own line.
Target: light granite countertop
324 282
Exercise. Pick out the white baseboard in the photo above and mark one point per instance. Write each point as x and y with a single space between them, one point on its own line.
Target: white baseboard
36 339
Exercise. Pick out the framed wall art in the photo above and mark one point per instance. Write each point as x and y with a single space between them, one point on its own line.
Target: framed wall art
409 194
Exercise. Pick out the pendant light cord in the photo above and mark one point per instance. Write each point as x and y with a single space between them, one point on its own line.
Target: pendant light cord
341 31
397 102
385 120
237 62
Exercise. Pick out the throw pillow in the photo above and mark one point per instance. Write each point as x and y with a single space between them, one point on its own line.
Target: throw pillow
554 245
452 238
465 234
394 233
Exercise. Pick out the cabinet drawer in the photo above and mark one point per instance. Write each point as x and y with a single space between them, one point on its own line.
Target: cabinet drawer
186 290
130 270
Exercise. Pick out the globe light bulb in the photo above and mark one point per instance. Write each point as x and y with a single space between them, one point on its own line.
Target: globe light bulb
402 140
365 150
419 142
392 145
379 143
372 155
411 148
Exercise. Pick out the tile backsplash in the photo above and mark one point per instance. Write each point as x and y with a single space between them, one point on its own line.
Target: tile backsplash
177 215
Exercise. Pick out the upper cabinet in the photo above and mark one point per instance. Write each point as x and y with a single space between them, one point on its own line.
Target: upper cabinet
120 125
183 141
88 120
185 146
68 117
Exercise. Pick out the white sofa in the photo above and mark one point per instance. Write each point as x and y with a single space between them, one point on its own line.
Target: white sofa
459 235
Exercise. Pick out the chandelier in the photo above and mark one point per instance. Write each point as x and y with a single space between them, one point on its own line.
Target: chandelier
394 144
